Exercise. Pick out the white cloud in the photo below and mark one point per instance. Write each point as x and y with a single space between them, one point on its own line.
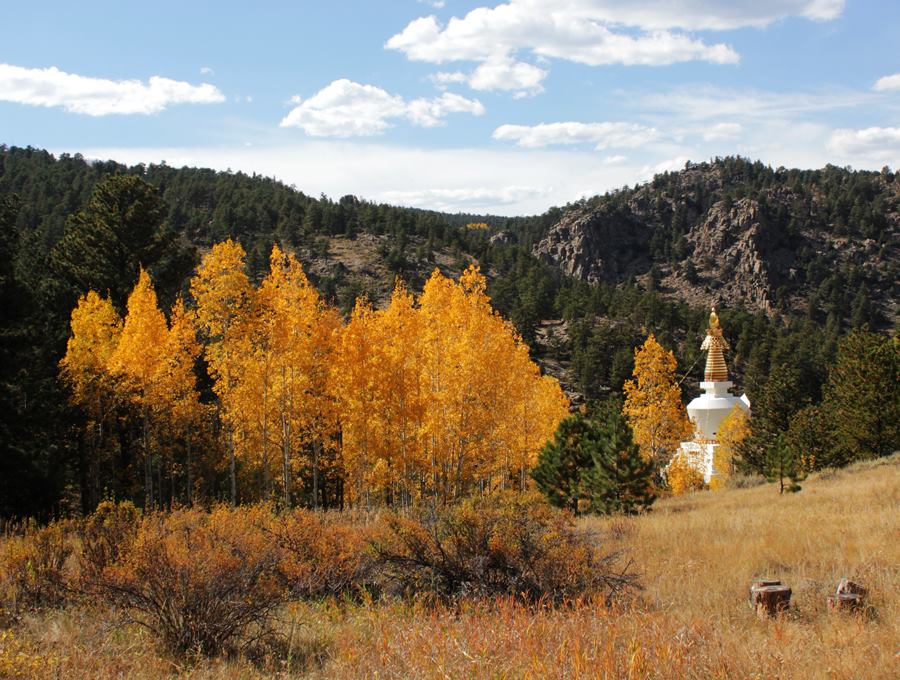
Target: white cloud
465 198
715 15
437 4
486 34
602 135
206 71
348 109
508 181
503 73
98 96
874 145
497 73
887 83
615 160
593 32
722 131
668 165
705 102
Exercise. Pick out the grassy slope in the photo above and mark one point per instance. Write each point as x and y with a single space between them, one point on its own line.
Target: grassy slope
698 554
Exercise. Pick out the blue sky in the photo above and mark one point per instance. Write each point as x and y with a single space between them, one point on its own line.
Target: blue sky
462 106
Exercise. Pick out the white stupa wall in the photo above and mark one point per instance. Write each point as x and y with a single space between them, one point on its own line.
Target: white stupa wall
707 413
712 407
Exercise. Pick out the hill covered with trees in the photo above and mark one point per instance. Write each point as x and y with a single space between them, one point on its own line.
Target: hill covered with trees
647 264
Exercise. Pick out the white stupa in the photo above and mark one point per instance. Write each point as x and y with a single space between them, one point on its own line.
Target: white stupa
712 407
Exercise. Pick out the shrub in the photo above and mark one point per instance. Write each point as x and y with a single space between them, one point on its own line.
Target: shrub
105 534
32 566
683 474
514 545
200 581
322 557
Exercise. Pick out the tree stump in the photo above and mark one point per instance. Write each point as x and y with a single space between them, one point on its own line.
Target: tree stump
769 598
850 596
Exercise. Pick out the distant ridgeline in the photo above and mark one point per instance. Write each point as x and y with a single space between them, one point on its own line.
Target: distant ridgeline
794 259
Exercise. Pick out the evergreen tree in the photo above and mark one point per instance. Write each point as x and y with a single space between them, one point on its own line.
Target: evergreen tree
563 463
862 397
620 480
593 461
119 231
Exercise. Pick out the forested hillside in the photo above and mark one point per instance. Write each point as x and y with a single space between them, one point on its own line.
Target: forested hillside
650 264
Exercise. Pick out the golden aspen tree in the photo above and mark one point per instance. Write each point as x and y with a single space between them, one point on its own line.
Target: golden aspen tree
177 385
357 382
400 359
376 384
138 360
734 429
95 329
469 362
303 332
222 291
653 403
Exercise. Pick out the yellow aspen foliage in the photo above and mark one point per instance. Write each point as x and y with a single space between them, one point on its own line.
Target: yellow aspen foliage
84 370
139 354
177 384
180 353
95 328
734 429
684 473
222 291
138 362
439 398
653 404
301 331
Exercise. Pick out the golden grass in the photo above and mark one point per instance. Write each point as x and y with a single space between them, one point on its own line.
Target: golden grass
697 553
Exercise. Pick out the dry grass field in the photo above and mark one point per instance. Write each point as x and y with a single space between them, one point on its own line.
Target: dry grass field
697 555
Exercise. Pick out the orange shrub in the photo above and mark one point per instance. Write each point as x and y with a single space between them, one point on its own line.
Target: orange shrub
32 566
506 544
198 580
322 556
105 534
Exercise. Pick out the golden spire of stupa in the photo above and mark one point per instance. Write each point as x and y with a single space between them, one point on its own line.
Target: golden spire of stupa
715 344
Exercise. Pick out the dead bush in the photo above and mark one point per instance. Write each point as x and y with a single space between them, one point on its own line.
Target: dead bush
204 582
512 545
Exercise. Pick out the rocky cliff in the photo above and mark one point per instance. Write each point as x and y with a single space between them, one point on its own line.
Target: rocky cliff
771 240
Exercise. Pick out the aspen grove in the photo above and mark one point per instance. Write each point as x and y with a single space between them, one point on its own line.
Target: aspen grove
262 392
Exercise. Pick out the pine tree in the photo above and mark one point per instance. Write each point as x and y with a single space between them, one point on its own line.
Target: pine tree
593 462
620 480
862 397
564 462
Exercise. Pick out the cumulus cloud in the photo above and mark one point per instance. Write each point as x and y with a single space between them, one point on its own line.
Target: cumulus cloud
206 71
98 96
592 32
887 83
874 144
601 135
486 34
498 73
722 131
344 108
